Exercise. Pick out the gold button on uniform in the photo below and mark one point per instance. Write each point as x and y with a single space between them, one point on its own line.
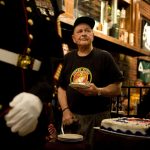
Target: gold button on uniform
1 106
2 3
28 50
47 18
29 9
31 36
30 21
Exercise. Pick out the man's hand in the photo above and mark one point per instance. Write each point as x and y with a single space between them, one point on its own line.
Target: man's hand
23 117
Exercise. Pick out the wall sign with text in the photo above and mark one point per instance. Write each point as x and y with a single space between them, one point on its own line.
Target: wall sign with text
145 36
143 70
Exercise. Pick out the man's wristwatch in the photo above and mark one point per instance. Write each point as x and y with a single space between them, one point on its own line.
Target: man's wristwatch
99 92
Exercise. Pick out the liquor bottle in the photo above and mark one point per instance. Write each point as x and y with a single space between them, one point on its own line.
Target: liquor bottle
122 18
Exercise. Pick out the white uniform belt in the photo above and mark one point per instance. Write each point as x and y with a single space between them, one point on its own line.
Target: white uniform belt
17 59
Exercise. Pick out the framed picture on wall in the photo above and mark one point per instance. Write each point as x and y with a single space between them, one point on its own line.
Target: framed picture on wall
145 34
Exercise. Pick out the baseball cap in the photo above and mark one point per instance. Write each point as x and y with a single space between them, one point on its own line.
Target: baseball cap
84 19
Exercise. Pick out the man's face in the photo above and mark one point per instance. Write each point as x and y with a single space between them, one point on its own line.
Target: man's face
83 35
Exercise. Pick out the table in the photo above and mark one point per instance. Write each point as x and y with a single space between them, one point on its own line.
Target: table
104 140
59 145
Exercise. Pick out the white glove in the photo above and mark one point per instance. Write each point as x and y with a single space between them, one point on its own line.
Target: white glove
23 117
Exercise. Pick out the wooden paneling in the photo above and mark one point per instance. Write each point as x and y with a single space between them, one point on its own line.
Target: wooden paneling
142 9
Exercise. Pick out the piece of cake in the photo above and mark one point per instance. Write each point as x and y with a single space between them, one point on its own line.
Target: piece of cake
136 126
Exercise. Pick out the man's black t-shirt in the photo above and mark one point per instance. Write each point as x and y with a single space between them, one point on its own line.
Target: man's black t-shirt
99 68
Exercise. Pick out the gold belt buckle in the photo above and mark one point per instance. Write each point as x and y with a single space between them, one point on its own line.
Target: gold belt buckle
24 61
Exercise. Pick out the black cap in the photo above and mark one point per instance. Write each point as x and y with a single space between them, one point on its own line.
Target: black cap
84 19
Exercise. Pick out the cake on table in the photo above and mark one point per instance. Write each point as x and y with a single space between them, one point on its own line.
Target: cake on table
129 125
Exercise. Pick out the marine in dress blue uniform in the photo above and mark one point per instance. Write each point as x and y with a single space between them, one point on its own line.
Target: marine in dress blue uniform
29 44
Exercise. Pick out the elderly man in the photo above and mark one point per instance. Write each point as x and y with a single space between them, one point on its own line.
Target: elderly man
88 79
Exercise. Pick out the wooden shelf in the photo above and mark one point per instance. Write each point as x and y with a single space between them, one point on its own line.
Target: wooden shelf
124 47
108 42
127 1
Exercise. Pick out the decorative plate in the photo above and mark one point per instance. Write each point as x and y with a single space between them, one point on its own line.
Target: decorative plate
79 85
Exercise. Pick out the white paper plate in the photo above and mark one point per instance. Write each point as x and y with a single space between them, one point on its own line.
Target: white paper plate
79 85
70 137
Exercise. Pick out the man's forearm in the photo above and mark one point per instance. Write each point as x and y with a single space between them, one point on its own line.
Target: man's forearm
62 98
110 90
